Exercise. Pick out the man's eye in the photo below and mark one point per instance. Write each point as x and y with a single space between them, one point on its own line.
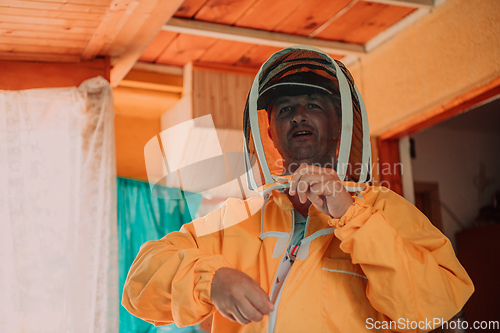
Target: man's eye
285 109
312 105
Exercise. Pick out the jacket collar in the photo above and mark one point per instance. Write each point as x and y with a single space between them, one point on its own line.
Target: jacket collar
281 200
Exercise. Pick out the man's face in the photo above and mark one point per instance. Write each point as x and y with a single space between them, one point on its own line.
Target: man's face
305 129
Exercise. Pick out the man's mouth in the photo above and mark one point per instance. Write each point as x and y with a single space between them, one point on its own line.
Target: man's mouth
301 133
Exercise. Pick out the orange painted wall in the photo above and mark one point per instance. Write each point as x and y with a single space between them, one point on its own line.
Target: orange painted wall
138 114
131 135
446 54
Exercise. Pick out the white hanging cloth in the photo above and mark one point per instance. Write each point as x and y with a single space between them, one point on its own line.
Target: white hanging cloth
58 238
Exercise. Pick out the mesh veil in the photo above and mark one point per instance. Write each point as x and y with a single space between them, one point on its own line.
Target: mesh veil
257 143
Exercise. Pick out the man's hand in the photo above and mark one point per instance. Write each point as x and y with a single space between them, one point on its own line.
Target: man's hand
323 188
238 297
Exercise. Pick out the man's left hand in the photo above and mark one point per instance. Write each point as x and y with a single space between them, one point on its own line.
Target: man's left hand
322 186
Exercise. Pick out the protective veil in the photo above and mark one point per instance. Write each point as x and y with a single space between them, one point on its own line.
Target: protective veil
296 71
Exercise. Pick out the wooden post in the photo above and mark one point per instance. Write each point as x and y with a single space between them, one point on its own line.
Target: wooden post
390 165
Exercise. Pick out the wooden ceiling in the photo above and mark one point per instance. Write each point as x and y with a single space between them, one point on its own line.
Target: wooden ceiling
246 32
75 30
232 33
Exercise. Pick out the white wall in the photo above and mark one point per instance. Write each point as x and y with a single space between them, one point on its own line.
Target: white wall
453 154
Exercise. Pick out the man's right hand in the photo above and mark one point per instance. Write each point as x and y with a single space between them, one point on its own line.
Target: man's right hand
238 297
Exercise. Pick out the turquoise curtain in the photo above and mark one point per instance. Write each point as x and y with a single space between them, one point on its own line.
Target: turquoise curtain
143 217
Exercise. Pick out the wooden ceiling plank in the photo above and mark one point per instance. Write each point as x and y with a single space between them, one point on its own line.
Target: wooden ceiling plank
257 37
161 69
40 57
40 49
150 86
227 69
377 23
48 21
396 28
332 19
189 8
143 33
66 7
223 11
309 16
184 49
42 42
109 27
81 2
408 3
256 56
154 78
43 34
70 30
157 46
225 51
265 14
128 29
353 18
153 81
127 33
24 12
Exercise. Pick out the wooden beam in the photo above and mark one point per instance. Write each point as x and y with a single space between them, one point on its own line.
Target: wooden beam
39 57
138 31
161 69
389 165
259 37
153 81
18 75
114 19
408 3
226 69
150 86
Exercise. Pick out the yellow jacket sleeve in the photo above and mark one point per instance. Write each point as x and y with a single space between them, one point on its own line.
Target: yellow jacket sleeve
170 279
411 267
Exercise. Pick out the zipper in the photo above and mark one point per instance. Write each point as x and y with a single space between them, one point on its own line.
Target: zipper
272 315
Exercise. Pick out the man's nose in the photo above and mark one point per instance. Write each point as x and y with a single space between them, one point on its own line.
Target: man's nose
299 115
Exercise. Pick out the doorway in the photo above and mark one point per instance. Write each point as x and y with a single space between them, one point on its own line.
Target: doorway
428 202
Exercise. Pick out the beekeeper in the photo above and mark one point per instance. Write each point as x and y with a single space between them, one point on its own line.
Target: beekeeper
324 251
